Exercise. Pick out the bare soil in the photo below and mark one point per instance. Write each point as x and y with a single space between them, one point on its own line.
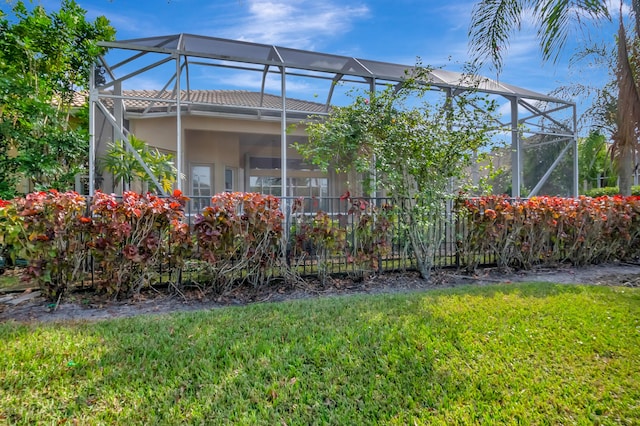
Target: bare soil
83 306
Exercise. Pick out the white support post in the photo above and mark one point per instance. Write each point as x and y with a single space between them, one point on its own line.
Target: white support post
118 114
284 208
283 136
576 171
516 171
92 130
373 171
118 105
178 126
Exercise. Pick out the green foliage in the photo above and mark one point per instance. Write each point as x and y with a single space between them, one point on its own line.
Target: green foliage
370 236
10 222
494 22
533 354
45 58
318 237
611 191
410 152
362 235
594 161
124 166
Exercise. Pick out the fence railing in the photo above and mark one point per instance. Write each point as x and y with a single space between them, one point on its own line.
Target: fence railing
344 214
318 236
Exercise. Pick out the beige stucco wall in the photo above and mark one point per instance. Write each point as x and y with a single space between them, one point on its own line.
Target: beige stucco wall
219 149
161 132
226 142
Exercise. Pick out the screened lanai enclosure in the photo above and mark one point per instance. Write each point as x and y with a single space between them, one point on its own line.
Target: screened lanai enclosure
228 111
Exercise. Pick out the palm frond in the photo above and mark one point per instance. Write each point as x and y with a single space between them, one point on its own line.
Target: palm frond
492 23
554 19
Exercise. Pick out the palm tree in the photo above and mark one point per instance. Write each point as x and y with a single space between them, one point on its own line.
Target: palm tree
494 20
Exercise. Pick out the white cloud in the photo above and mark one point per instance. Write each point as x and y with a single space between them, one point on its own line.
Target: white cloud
145 83
132 25
253 81
616 6
298 24
504 112
457 14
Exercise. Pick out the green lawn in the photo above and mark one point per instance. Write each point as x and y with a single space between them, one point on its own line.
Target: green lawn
508 354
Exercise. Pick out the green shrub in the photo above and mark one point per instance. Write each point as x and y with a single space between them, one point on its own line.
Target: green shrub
362 236
318 237
370 236
610 191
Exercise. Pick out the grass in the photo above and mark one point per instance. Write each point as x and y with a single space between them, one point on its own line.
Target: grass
508 354
11 281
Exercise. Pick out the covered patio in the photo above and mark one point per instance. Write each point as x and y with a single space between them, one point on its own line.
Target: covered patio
286 87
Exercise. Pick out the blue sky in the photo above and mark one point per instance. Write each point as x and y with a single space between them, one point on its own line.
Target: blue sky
394 31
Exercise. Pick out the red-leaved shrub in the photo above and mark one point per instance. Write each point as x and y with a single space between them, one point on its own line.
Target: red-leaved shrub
50 230
548 230
240 238
134 238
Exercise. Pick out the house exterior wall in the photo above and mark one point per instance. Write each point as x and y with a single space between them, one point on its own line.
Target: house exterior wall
228 146
221 150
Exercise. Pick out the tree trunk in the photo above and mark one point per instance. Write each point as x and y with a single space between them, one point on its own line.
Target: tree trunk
425 231
628 114
423 252
625 172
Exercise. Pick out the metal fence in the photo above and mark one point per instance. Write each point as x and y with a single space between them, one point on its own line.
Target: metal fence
344 214
367 246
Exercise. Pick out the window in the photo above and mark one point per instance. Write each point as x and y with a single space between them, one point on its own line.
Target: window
266 185
275 163
229 179
307 187
305 179
201 186
314 187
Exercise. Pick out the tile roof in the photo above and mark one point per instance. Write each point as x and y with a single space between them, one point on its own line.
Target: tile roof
138 100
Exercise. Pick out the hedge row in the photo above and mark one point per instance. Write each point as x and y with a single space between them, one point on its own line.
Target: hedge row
549 230
120 245
610 191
